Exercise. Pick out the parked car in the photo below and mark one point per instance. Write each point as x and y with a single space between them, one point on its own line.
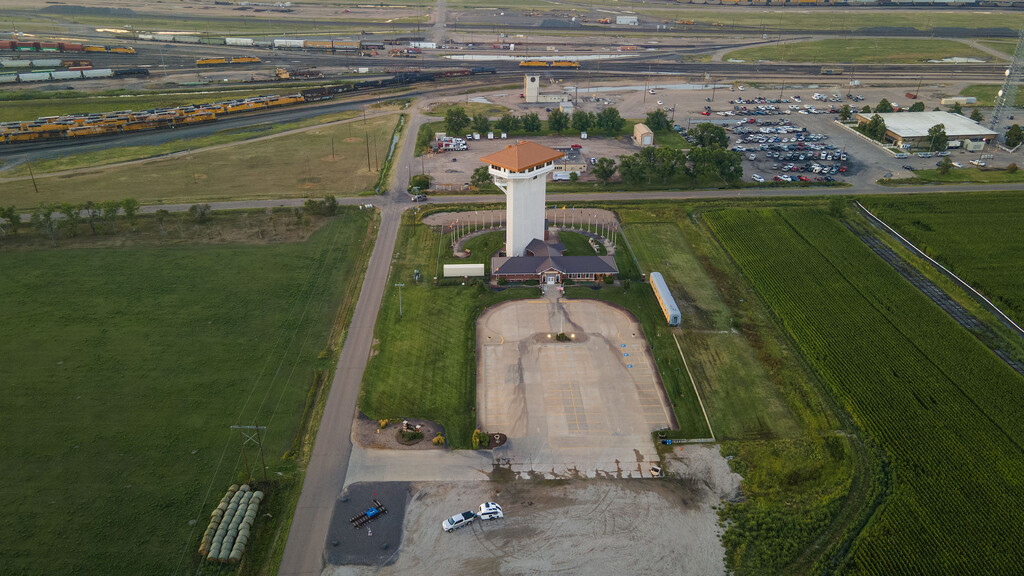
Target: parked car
458 521
908 167
419 198
977 162
490 511
757 178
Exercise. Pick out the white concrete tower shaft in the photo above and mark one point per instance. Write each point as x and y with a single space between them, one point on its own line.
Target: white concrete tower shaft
520 171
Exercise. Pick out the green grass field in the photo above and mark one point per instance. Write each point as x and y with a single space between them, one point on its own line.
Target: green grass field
126 153
131 364
986 94
967 174
976 236
289 166
471 108
423 363
945 410
860 51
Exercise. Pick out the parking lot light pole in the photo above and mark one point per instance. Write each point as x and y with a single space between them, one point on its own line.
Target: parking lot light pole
400 286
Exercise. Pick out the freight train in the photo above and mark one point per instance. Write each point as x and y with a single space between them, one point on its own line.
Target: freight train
19 46
76 126
74 73
223 61
550 64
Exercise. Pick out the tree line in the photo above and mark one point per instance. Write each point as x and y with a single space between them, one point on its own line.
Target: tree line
607 121
54 219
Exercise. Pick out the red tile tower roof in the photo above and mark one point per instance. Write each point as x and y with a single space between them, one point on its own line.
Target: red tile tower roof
522 156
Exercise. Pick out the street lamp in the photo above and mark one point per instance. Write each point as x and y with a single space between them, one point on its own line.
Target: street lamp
400 299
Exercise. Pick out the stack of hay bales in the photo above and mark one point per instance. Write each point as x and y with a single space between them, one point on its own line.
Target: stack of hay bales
230 523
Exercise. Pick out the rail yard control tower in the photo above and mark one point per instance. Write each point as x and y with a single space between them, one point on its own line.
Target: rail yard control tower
520 171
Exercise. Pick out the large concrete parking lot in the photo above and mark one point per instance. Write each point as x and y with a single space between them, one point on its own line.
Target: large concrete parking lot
585 407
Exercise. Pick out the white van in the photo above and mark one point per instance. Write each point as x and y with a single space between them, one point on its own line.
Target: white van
556 176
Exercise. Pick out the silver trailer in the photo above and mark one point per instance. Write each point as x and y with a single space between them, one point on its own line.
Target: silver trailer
288 43
187 39
665 299
34 76
98 73
66 74
48 63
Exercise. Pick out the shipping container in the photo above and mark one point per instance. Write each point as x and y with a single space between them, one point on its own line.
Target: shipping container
34 76
288 43
238 41
71 47
317 44
49 47
6 44
26 46
66 74
342 45
98 73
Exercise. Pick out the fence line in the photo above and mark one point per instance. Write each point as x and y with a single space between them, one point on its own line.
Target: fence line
943 269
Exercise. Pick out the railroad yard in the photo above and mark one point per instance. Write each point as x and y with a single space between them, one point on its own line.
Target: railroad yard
231 197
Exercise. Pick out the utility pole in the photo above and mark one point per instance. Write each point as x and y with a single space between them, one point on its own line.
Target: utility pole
253 436
400 286
33 176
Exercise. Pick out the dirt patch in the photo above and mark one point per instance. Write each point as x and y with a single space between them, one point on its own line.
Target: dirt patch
571 526
368 434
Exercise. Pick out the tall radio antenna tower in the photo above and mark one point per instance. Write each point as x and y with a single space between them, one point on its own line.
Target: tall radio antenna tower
1006 99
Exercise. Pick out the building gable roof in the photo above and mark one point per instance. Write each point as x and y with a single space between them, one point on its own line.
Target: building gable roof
522 156
562 264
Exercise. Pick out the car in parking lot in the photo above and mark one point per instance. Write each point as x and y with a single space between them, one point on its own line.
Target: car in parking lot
977 162
490 511
458 521
908 167
901 155
419 198
957 165
943 153
757 178
593 161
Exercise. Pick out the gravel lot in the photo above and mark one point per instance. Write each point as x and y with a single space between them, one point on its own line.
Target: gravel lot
576 526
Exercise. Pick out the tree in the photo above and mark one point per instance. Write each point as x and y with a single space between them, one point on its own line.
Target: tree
481 123
976 115
845 113
10 214
937 139
631 169
708 135
866 109
956 108
111 209
43 220
945 165
481 177
582 121
658 121
456 120
604 169
72 217
917 107
326 207
875 128
531 123
508 123
1014 136
884 107
558 120
201 212
1012 168
93 214
574 177
130 207
717 163
609 121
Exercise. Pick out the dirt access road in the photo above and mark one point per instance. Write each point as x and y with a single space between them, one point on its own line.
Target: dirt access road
566 526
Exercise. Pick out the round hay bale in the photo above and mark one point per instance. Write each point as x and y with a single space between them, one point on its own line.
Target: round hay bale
234 488
258 494
244 531
235 557
245 488
218 512
214 553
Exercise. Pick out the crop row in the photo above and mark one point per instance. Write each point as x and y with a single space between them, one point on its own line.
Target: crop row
940 404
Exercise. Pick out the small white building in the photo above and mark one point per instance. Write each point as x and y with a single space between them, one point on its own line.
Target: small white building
627 20
909 130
